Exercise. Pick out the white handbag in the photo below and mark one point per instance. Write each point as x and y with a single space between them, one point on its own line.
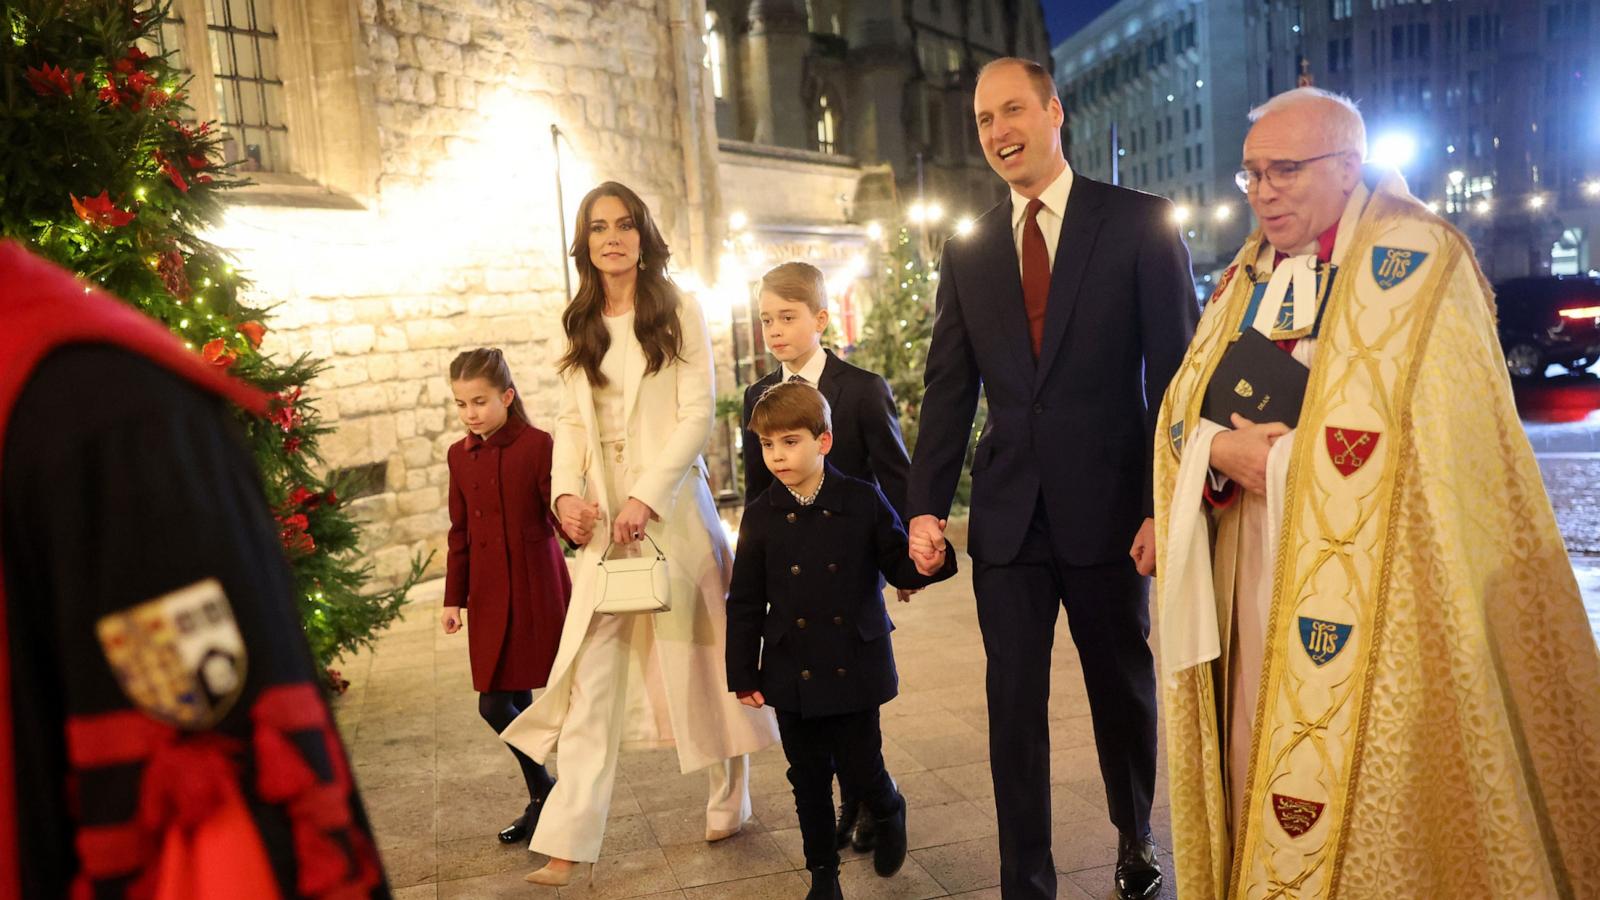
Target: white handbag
637 584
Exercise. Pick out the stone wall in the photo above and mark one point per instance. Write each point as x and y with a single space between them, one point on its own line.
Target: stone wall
461 246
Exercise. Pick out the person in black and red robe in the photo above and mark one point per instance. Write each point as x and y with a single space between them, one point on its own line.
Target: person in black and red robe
162 731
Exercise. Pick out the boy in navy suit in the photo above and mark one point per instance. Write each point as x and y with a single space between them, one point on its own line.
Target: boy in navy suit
866 428
808 631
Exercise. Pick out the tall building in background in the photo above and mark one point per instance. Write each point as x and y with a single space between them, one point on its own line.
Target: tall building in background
1489 107
1156 93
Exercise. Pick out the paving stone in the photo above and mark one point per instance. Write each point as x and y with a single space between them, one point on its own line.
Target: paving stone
746 854
963 866
781 886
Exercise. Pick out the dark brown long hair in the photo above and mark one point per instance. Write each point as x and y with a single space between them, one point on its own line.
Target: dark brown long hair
489 364
655 302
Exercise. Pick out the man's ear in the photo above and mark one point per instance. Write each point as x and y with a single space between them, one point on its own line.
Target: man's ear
825 442
1350 172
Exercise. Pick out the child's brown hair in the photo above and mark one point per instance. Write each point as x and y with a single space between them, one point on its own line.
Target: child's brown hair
489 364
791 406
800 282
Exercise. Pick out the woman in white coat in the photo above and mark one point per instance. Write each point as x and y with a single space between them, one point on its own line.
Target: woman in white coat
637 409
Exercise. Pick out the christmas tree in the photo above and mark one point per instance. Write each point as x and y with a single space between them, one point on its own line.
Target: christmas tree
105 173
898 325
897 330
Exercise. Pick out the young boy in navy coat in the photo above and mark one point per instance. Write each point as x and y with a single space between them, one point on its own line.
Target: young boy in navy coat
808 632
866 429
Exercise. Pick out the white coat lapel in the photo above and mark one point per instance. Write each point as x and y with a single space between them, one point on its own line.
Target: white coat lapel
591 429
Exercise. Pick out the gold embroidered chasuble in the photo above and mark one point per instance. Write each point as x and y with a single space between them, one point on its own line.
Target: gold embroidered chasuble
1428 712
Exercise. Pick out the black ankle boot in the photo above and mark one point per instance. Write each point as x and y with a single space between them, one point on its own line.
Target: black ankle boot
890 853
523 825
865 837
825 884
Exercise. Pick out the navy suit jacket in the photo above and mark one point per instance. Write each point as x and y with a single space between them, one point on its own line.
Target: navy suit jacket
866 431
1075 426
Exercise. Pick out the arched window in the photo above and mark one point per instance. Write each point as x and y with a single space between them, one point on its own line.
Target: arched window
716 55
826 122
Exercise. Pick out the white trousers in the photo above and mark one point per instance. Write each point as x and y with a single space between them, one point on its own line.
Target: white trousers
573 822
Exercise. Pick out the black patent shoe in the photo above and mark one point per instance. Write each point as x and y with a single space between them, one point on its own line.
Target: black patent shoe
1138 872
522 825
848 818
865 837
825 884
889 854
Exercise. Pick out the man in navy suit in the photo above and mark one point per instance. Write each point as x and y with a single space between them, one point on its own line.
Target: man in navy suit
1071 304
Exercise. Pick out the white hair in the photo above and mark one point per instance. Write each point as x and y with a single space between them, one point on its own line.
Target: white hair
1341 120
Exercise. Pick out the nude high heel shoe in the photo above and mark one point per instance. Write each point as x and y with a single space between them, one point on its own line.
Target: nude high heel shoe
557 873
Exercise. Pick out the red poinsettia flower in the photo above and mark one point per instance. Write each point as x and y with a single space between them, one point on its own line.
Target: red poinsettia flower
331 499
253 332
284 415
197 163
304 496
137 56
173 174
47 79
111 96
100 211
216 352
139 82
291 444
156 99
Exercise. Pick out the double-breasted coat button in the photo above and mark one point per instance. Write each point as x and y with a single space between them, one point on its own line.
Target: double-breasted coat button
792 517
839 672
794 570
800 623
478 513
833 567
827 514
805 674
838 620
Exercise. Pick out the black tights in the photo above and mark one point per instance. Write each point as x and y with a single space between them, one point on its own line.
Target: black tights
498 708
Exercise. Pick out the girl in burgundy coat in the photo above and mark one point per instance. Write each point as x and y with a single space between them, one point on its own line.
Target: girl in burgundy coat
504 561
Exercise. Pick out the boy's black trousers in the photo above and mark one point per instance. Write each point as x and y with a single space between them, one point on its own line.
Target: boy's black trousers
851 745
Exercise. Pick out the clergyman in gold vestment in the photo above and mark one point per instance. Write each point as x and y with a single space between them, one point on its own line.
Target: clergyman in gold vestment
1379 680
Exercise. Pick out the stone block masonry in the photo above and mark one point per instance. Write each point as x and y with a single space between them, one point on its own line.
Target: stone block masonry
459 247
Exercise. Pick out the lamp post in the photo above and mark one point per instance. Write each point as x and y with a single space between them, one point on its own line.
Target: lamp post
561 209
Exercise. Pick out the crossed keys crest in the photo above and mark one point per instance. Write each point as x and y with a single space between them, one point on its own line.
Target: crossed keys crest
1349 448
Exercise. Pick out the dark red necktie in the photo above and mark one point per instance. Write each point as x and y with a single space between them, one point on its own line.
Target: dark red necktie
1035 273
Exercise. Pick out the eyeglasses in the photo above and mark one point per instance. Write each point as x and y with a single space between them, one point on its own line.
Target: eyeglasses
1281 174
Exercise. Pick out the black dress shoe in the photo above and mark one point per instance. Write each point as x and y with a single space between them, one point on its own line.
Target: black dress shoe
848 817
522 825
865 837
890 853
825 884
1138 872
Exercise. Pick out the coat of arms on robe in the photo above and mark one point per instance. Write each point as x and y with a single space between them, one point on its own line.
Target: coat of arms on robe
180 657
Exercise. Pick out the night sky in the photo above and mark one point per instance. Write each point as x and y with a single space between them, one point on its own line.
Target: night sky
1065 17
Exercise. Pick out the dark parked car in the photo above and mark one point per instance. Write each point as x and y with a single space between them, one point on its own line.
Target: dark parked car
1554 319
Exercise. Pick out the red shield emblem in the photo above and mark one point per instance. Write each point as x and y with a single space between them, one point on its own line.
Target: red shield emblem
1349 449
1222 284
1296 816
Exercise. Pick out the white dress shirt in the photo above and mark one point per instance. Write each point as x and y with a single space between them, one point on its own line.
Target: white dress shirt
1054 198
811 371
